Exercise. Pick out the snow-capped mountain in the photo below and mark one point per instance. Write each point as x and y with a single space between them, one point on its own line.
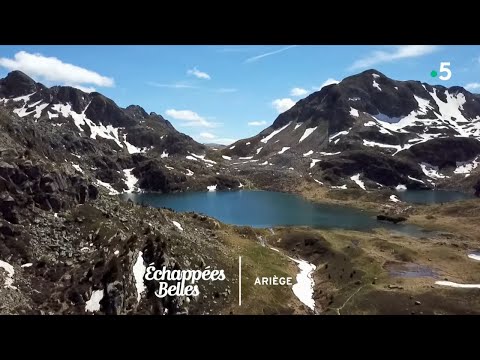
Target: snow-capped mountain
386 131
118 149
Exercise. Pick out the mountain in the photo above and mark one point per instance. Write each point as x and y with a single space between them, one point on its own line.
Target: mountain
66 247
215 146
121 149
380 131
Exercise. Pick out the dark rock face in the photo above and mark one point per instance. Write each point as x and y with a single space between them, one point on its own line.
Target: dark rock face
17 84
446 151
154 176
380 168
392 218
225 182
476 187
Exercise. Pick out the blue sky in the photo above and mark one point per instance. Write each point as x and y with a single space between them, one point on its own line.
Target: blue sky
213 92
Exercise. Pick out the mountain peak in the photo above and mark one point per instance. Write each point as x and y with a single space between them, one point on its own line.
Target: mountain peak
137 111
371 72
17 83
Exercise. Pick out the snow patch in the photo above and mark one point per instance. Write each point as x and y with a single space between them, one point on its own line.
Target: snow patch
285 148
318 182
232 147
189 172
264 163
9 277
431 171
138 273
308 153
307 133
93 304
202 157
248 143
375 85
164 154
273 133
303 289
177 224
297 126
466 167
394 198
259 149
474 257
169 167
109 187
314 161
24 98
343 187
417 180
329 154
340 133
456 285
400 187
130 181
245 157
354 112
51 115
360 183
226 157
78 168
188 157
39 109
212 187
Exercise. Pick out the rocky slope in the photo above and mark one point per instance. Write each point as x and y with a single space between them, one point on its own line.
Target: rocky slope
373 131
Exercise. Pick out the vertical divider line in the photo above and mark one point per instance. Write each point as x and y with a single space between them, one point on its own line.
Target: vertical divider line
239 281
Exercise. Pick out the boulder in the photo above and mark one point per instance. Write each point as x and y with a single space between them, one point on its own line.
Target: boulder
392 218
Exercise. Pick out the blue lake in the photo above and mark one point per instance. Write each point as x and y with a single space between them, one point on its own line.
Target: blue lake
265 209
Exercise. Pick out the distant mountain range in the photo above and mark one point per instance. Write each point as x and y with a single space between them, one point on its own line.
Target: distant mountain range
367 131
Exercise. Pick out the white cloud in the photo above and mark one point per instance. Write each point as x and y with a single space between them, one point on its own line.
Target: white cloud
400 52
87 89
199 74
51 69
258 57
257 123
472 86
225 90
189 118
282 105
207 135
327 82
172 86
298 92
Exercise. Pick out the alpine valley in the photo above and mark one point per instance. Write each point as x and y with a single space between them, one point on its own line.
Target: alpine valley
70 245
